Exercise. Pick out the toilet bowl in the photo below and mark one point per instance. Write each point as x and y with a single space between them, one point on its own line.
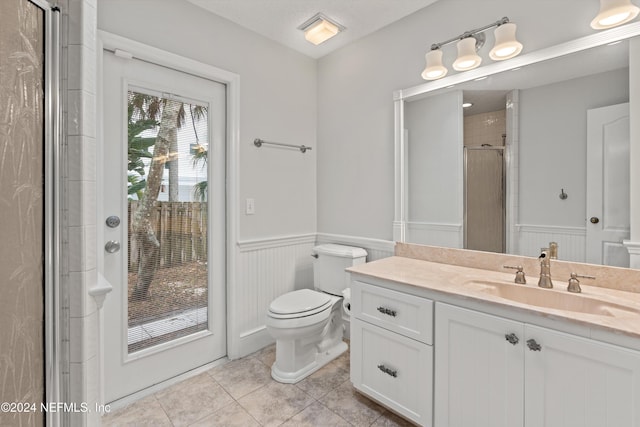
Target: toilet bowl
308 337
308 324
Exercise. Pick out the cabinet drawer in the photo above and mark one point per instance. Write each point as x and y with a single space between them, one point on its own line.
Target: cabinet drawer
394 370
405 314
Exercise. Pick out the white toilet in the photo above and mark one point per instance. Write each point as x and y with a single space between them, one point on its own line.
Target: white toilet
307 324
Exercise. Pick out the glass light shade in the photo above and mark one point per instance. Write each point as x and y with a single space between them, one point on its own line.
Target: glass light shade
613 13
434 70
506 45
467 59
320 31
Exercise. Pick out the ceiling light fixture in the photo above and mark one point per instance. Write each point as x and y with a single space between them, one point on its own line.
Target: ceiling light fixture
319 29
613 13
506 46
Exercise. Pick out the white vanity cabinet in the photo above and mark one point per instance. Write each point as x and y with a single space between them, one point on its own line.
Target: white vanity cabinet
391 349
479 379
574 381
491 371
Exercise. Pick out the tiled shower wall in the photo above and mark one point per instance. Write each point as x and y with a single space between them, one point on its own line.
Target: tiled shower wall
485 128
78 175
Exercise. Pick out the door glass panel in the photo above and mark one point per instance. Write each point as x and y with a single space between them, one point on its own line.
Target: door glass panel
167 218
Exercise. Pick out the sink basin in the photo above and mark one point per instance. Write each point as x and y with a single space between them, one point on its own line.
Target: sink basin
547 298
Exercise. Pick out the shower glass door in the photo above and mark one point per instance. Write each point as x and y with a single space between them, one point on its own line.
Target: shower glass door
484 191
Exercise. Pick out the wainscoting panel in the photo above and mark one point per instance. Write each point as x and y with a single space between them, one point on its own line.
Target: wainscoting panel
571 241
268 268
447 235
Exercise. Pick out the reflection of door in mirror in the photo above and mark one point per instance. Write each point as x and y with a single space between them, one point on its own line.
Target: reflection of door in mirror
608 219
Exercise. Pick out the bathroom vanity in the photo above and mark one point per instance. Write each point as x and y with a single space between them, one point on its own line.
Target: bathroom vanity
453 343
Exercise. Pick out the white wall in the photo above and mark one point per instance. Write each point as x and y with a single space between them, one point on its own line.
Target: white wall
277 103
553 145
355 104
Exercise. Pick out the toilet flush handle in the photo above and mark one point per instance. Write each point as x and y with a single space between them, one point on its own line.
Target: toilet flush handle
314 255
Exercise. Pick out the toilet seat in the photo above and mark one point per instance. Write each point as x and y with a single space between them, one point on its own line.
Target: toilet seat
301 303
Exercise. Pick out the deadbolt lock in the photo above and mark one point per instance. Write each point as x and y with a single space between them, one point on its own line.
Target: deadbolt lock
113 221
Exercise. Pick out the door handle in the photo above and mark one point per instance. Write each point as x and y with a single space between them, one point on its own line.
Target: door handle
112 246
594 220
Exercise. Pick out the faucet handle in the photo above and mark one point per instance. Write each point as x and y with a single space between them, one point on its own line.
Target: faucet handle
520 279
574 283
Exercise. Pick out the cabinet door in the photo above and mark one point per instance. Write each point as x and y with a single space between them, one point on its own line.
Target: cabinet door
578 382
479 372
393 369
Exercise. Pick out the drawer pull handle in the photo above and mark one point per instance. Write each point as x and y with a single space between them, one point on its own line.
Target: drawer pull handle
387 311
388 371
533 345
512 338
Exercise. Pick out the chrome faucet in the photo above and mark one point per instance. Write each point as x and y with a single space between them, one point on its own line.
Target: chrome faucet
545 270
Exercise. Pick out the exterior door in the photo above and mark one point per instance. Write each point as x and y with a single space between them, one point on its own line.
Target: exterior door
607 221
161 224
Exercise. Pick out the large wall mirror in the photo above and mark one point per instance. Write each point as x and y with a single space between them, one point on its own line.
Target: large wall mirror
540 156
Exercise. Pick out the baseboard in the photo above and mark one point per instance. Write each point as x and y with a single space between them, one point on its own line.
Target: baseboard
251 341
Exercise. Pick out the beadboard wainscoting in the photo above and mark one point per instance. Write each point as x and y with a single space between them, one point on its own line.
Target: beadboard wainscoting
571 241
268 268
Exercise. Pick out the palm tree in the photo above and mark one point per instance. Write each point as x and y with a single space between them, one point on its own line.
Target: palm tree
141 222
200 189
144 111
138 149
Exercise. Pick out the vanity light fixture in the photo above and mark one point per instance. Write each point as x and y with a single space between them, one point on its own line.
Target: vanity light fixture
467 58
506 46
435 69
319 29
613 13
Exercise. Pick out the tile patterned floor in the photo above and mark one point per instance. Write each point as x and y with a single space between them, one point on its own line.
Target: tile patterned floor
241 393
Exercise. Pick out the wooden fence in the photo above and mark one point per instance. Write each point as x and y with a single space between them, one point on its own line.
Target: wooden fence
181 229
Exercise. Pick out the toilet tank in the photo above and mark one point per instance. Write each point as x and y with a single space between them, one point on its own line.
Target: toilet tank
329 264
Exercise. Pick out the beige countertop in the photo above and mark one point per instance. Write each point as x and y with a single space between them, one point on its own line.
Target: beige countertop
619 311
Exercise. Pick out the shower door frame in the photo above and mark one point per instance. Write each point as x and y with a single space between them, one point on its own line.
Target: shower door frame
53 388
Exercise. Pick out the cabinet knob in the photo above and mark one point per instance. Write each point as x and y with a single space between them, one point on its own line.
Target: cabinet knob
387 311
533 345
512 338
391 372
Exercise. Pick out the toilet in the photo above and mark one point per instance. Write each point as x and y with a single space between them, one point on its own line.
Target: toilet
308 324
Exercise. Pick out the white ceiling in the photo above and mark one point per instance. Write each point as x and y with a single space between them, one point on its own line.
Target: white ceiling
279 19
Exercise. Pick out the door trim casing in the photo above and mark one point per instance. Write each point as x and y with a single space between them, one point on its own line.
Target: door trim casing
141 51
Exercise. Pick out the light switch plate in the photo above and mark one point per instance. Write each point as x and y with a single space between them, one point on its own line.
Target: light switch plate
250 206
